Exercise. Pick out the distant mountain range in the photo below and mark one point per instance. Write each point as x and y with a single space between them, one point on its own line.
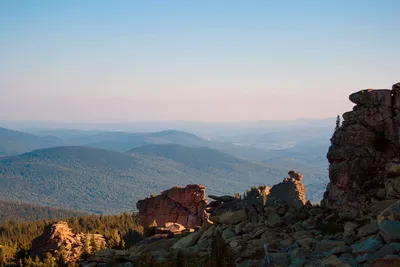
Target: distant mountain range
153 161
15 142
25 212
104 181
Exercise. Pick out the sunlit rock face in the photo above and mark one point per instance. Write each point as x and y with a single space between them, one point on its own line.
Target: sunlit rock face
59 235
183 205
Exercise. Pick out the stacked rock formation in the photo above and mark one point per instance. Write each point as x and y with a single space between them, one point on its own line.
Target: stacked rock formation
59 234
183 205
364 156
291 190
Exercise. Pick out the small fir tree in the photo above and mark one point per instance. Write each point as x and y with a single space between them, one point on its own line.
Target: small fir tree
93 245
338 123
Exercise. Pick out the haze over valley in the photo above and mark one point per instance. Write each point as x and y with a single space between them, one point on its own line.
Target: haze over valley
106 171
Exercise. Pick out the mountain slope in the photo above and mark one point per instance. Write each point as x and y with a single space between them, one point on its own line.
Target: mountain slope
23 212
196 157
123 141
98 180
15 142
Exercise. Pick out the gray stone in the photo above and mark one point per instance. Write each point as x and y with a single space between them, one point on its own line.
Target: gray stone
392 257
349 228
297 262
339 250
365 258
307 242
298 253
246 263
331 261
258 233
301 234
232 217
391 248
368 229
273 220
222 198
228 233
348 259
188 240
326 245
390 231
369 245
279 258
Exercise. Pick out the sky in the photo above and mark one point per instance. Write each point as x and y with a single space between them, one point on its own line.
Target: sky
121 61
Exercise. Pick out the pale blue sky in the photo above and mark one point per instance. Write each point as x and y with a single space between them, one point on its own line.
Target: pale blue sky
192 60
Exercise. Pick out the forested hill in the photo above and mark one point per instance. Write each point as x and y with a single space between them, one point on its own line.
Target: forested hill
23 212
196 157
15 142
103 181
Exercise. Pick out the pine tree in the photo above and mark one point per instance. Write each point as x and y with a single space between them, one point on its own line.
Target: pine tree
93 245
338 123
61 256
37 261
103 245
86 247
49 261
114 239
221 253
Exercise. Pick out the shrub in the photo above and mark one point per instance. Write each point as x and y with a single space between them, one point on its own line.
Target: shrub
221 253
257 197
151 229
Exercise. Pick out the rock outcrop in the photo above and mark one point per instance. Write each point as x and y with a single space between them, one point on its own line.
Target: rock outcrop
306 236
358 223
183 205
364 155
59 235
291 191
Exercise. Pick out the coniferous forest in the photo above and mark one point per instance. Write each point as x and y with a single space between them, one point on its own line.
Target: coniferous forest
119 231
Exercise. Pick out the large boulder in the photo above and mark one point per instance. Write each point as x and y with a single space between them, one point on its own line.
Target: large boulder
59 235
291 191
183 205
364 154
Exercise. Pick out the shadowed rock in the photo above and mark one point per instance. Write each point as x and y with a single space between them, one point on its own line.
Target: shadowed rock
364 154
291 191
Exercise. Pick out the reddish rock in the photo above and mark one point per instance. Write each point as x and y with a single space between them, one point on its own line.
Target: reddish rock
291 190
183 205
59 234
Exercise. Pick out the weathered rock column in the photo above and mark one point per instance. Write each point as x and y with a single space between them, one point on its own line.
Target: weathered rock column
360 150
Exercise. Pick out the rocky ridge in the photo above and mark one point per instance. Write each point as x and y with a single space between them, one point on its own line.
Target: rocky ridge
306 236
358 223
